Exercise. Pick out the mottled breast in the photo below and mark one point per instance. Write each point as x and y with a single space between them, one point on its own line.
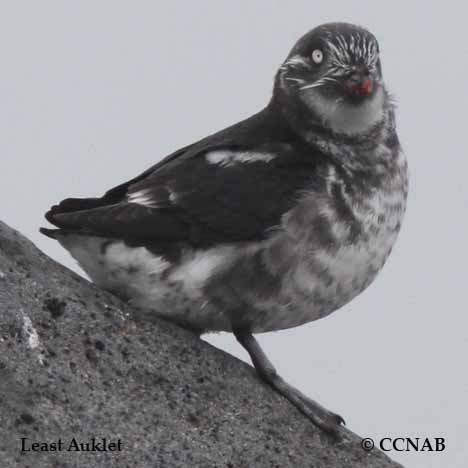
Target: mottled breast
334 242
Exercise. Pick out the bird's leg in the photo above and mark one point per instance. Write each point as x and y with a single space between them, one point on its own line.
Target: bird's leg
321 417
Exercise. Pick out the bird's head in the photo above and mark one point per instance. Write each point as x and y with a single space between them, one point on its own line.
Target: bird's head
335 71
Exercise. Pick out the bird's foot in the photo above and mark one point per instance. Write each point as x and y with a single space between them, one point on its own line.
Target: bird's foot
324 419
321 417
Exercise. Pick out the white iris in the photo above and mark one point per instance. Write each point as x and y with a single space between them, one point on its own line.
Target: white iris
317 56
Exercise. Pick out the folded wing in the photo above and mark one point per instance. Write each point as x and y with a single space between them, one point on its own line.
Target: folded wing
217 194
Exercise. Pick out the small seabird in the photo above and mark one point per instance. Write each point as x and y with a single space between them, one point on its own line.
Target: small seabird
271 223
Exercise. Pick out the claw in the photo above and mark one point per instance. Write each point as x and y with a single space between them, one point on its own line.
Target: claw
321 417
330 424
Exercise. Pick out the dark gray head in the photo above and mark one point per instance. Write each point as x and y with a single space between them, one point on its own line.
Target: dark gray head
334 70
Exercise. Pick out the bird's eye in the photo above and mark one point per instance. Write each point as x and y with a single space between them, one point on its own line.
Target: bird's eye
317 56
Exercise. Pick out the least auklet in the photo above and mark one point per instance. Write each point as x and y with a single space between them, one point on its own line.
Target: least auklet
271 223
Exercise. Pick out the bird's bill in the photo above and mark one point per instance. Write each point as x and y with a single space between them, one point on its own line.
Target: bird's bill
362 87
360 84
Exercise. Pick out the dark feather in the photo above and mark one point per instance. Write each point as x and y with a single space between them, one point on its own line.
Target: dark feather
210 203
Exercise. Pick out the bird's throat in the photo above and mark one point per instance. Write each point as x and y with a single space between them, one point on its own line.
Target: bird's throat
348 118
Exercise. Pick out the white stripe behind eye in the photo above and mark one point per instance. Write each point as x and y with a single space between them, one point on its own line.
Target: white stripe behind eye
296 61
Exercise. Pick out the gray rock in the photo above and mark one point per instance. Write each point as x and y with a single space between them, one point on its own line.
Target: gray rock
74 365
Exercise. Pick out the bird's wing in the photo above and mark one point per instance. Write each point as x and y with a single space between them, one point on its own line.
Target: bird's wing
204 197
231 186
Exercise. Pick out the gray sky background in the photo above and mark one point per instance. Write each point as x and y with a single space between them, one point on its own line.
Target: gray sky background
92 93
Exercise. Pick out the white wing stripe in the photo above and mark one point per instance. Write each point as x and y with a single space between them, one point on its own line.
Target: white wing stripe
230 158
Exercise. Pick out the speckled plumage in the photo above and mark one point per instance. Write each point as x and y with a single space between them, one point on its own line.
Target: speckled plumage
273 222
293 276
327 245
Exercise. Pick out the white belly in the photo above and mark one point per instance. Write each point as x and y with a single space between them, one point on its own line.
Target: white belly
151 283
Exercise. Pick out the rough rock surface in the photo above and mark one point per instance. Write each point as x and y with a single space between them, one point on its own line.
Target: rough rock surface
75 365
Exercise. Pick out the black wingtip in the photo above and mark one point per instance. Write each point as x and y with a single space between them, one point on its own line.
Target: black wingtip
49 215
70 205
52 233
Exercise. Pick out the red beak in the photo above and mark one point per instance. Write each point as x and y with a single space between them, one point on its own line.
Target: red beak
366 87
360 85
